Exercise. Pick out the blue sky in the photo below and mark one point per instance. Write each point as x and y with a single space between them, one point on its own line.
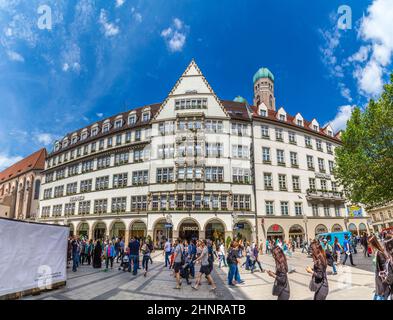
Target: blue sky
104 57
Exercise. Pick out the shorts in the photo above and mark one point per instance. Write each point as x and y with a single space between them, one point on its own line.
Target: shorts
205 270
177 267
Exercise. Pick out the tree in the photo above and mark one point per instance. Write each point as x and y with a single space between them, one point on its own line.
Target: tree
364 163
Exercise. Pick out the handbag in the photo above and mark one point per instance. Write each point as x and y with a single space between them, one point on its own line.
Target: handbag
313 285
276 289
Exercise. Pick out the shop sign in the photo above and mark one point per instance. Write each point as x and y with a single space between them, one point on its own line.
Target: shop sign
77 198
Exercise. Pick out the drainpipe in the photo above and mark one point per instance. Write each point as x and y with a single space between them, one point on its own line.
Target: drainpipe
253 181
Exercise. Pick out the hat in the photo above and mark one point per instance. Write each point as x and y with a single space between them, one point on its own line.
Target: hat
324 240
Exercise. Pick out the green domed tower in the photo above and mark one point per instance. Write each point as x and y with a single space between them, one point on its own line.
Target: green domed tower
240 99
264 88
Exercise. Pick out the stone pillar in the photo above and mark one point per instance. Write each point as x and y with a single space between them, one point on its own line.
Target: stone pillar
175 234
202 234
126 237
90 232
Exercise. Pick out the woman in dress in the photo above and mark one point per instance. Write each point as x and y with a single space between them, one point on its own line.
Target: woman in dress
97 255
319 283
281 283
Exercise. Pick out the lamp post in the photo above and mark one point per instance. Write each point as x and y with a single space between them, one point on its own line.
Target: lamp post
305 220
168 219
235 220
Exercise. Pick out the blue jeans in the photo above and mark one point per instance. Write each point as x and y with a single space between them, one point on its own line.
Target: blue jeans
377 297
334 267
167 255
75 261
192 269
231 272
221 259
134 261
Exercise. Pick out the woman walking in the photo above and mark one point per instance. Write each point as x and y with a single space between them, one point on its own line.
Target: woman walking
97 255
109 255
319 283
281 283
337 250
146 256
382 288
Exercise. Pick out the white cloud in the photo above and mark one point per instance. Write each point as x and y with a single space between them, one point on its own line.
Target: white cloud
341 118
7 161
119 3
376 29
110 29
99 114
44 138
175 36
15 56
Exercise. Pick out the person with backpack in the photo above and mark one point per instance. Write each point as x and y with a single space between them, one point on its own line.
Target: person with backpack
348 251
329 255
381 265
145 250
205 267
255 260
178 261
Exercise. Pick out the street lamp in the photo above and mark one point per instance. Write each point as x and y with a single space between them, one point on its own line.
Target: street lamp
305 220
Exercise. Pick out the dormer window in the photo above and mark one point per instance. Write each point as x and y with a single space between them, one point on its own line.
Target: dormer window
132 120
330 133
146 116
315 127
94 132
84 136
263 113
65 143
74 140
57 146
282 117
299 122
118 123
105 128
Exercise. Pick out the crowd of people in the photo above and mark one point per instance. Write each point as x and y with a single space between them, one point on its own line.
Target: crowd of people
194 259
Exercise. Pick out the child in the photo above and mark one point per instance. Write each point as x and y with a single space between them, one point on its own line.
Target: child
124 262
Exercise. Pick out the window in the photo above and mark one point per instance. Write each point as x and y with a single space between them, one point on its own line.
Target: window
292 137
119 204
84 207
189 173
312 185
103 162
118 123
240 151
240 175
298 209
164 175
224 202
109 142
282 117
315 210
166 151
315 127
310 162
329 148
120 180
138 135
60 174
337 211
269 208
48 193
331 167
59 191
240 129
326 210
138 203
321 165
296 183
100 206
266 155
86 185
214 150
84 136
280 157
265 132
121 158
284 208
323 185
49 177
132 120
57 209
263 113
334 186
214 126
37 188
73 170
146 116
45 211
138 155
293 157
105 128
307 141
102 183
140 177
319 144
279 135
241 202
268 181
214 174
282 182
87 166
128 136
69 208
299 122
85 150
118 139
195 103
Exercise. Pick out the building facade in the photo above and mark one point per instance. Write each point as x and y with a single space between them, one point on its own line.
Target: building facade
191 166
382 217
20 187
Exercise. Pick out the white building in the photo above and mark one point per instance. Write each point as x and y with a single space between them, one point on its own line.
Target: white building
191 167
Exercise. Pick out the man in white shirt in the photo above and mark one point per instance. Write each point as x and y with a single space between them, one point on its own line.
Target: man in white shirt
221 255
167 252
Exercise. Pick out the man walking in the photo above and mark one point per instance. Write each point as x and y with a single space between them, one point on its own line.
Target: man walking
134 256
167 252
205 267
178 261
347 250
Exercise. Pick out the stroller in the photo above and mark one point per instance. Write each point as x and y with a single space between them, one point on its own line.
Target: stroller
185 269
125 262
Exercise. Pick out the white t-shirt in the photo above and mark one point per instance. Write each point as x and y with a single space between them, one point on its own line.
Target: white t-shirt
167 246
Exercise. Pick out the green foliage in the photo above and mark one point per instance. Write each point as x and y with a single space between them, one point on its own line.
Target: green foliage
228 242
364 164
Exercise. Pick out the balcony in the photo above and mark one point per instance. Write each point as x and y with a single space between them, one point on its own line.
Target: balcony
324 195
190 185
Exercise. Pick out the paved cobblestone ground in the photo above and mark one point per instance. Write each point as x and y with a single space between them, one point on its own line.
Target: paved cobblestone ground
351 283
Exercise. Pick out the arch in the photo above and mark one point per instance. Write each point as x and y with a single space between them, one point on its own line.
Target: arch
337 228
117 229
320 228
296 233
362 228
189 229
99 230
161 232
243 230
83 229
352 228
275 231
138 229
215 229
